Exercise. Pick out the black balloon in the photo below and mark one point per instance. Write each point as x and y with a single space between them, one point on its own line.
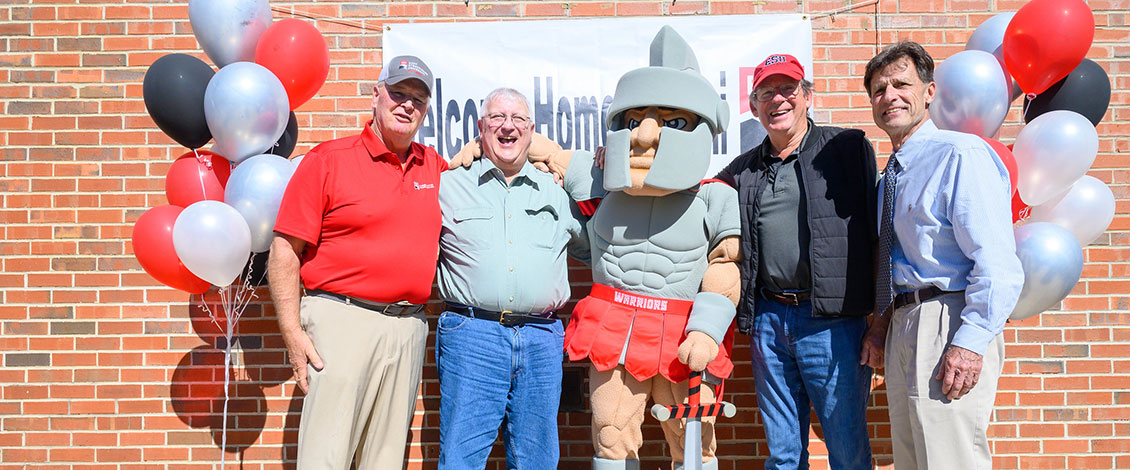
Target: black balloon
1086 90
285 146
174 96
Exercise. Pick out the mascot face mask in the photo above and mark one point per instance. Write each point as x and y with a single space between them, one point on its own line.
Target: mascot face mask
671 90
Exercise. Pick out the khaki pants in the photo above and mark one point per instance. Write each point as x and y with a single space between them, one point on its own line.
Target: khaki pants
929 431
361 403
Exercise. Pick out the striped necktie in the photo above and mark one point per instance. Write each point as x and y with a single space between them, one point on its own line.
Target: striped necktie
884 289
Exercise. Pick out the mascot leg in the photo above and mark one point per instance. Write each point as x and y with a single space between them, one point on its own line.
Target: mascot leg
618 402
667 393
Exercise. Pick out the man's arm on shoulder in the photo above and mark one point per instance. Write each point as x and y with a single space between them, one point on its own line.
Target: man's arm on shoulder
282 268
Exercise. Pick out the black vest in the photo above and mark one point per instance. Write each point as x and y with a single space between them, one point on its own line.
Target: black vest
840 181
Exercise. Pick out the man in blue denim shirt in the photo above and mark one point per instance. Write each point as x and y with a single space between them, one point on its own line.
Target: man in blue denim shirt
502 272
948 272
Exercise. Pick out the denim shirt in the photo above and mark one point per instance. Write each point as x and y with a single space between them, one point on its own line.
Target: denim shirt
952 224
503 246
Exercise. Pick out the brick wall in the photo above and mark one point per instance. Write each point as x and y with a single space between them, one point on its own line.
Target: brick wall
105 368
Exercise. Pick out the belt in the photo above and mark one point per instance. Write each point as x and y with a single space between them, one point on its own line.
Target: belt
505 318
787 298
394 309
918 296
675 307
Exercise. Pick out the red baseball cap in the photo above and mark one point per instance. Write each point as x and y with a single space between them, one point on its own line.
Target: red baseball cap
775 64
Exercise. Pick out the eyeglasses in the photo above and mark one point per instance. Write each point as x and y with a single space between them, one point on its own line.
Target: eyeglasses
498 119
401 97
788 90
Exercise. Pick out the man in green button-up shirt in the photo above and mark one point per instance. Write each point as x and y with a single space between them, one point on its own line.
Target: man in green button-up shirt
502 271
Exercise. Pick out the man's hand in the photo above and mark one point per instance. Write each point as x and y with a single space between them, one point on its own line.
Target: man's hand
300 352
598 157
697 350
469 153
959 372
874 343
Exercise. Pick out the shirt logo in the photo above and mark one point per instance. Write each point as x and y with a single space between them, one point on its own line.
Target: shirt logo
418 186
639 302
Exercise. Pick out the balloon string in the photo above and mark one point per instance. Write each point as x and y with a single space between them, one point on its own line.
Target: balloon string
225 301
234 301
207 162
1027 103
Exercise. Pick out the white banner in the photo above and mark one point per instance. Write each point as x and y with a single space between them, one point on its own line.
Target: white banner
569 68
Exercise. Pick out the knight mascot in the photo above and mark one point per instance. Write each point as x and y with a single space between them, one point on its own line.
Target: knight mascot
664 255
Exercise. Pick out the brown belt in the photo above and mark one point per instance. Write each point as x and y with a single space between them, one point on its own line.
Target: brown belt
787 298
923 294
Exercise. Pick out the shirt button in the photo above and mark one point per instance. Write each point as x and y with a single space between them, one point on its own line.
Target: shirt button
510 242
512 269
512 298
509 216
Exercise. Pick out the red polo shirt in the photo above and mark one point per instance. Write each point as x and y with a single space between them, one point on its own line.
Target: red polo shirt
371 228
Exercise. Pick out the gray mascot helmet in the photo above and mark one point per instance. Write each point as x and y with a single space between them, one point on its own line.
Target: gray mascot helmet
673 80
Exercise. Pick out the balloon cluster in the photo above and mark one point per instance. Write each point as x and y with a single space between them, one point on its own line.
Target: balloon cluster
1037 52
218 216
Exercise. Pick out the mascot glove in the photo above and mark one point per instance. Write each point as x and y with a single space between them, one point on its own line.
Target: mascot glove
697 351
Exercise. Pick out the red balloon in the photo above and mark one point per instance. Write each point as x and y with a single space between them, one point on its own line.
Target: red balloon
1045 41
295 52
1005 154
153 246
194 178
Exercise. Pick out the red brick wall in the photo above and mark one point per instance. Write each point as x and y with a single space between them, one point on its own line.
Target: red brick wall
105 368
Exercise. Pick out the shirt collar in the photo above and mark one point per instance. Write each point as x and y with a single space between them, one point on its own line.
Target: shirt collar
486 169
378 150
767 145
909 150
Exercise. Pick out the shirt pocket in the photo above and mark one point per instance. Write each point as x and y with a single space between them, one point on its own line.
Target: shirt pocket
543 230
473 227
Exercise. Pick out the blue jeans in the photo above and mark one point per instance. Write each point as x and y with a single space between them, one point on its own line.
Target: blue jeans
800 359
488 372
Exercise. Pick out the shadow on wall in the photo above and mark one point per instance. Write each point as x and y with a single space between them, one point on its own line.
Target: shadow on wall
196 391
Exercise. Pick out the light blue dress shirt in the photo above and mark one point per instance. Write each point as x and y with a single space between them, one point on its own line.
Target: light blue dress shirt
503 246
952 224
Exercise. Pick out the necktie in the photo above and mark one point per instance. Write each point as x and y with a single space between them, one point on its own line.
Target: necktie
884 289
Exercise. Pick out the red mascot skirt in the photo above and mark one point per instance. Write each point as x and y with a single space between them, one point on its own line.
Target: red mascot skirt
602 321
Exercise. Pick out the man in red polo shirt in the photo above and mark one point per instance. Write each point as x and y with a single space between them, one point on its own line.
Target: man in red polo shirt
359 226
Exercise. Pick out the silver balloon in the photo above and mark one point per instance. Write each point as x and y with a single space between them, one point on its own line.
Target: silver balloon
1087 209
989 37
212 241
1052 152
229 30
972 94
1052 261
255 189
247 110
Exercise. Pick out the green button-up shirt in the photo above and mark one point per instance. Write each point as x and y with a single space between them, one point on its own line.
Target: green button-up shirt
503 246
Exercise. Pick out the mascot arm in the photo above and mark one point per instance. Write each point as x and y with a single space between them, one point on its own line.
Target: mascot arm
714 307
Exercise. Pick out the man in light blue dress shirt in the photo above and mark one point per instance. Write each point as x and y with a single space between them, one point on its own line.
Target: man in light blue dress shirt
953 274
507 228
